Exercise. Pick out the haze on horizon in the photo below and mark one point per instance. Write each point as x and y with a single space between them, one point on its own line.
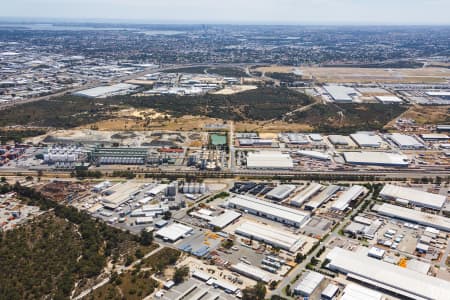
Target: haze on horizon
382 12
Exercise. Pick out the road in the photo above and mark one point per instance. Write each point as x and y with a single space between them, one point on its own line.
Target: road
300 267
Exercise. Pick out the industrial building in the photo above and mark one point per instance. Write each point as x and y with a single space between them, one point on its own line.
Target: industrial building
389 99
308 284
294 138
330 292
118 194
272 236
255 142
65 157
367 139
434 137
443 128
281 192
338 140
269 160
444 95
357 292
314 154
404 141
173 232
322 197
403 282
119 155
341 94
385 159
252 272
413 196
348 196
225 219
315 137
269 210
306 194
107 91
414 216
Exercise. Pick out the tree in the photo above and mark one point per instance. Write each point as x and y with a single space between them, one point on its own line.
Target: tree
146 238
180 274
257 292
167 215
3 179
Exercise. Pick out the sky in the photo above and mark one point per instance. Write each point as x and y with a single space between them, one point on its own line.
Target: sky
383 12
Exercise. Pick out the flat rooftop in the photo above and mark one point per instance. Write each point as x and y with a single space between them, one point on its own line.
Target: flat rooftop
386 276
415 216
414 196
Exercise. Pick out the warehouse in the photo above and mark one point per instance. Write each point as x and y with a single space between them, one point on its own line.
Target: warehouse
340 93
269 160
385 159
338 140
269 210
434 137
309 284
348 196
314 154
306 194
144 220
107 91
272 236
389 99
404 141
281 192
445 95
224 219
414 216
388 277
173 232
124 156
356 292
329 292
323 197
367 139
443 128
294 138
315 137
252 272
413 196
119 194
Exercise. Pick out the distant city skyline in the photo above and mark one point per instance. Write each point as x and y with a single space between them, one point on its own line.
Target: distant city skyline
327 12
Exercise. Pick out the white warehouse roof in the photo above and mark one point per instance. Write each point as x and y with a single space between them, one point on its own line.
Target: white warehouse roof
174 232
269 160
346 197
270 235
252 272
270 210
405 141
341 93
413 196
411 215
309 283
356 292
387 276
104 91
281 192
376 159
306 194
314 154
364 139
224 219
389 99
